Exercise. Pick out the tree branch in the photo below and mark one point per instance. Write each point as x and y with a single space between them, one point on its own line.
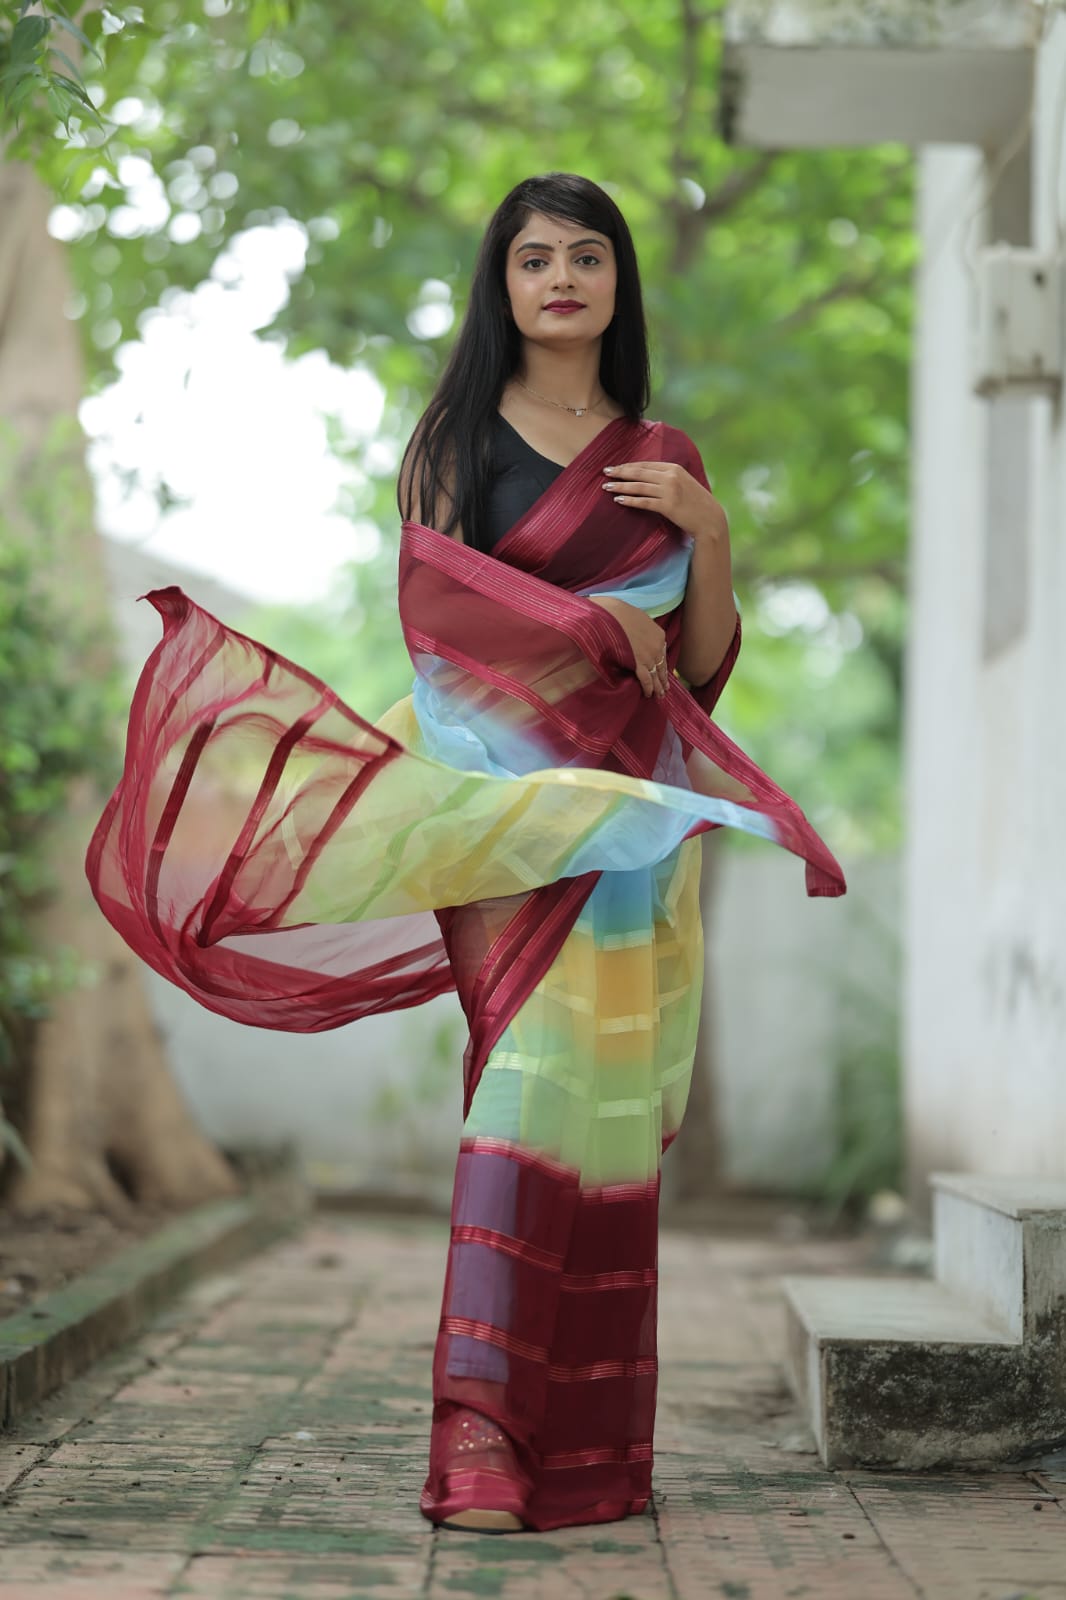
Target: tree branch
748 574
848 287
801 520
738 186
843 563
690 225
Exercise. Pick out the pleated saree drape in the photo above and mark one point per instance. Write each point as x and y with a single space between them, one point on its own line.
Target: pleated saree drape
523 828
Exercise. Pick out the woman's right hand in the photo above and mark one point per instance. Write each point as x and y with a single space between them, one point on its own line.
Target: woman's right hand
647 639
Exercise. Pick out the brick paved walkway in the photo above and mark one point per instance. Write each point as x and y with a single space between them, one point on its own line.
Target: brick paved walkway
266 1441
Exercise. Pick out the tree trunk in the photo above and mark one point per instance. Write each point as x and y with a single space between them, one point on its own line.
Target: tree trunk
104 1121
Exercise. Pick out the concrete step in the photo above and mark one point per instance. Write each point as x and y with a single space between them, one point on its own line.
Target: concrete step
1000 1246
969 1368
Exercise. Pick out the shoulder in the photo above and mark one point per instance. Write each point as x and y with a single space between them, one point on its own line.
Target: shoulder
426 480
674 443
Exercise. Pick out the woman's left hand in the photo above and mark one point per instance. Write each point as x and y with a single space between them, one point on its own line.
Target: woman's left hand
672 491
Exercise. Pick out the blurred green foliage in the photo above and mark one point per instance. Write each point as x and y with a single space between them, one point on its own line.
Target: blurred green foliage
868 1089
36 72
57 722
778 288
353 641
41 83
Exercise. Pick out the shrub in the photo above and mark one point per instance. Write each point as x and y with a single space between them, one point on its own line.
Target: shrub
55 728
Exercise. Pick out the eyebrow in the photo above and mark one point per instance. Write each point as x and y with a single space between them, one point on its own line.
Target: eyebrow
533 245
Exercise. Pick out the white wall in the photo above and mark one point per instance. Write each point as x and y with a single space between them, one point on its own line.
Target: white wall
985 877
792 982
375 1104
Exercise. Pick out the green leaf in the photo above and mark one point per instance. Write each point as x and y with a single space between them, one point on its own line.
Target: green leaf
27 36
22 69
79 169
264 16
72 27
76 90
54 50
60 107
21 93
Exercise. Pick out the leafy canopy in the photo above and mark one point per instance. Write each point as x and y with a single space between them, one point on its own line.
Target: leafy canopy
778 285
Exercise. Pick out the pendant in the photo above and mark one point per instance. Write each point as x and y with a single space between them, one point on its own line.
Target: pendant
579 411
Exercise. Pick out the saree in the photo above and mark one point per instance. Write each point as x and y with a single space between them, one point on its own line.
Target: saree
523 828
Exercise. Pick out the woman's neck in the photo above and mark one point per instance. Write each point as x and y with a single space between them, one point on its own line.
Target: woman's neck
571 377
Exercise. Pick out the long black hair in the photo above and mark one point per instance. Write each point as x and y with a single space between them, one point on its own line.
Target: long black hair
453 432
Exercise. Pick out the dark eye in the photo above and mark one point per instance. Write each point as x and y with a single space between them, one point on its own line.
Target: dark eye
594 259
532 261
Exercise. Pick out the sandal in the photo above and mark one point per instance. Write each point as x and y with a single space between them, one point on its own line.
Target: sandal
484 1488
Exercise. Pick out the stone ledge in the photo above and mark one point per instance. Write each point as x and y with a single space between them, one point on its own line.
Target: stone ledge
890 1310
1012 1197
904 24
967 1369
923 1407
65 1332
808 74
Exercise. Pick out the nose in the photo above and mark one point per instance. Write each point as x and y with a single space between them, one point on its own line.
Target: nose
562 278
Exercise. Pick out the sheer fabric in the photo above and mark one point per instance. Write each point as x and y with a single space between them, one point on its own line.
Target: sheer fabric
523 827
549 1316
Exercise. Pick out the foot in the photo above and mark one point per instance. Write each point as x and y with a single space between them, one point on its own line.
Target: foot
480 1477
484 1521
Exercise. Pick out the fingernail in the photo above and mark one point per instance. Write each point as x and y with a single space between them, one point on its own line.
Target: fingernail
609 469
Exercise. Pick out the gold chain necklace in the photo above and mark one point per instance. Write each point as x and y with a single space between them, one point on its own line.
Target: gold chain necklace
579 411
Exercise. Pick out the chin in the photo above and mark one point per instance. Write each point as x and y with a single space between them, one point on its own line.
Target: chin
575 329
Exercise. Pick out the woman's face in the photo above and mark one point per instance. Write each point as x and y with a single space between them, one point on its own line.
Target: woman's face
560 280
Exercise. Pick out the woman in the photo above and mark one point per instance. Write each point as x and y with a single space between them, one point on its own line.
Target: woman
564 566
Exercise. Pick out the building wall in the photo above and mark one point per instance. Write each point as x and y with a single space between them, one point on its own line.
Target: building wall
985 875
799 992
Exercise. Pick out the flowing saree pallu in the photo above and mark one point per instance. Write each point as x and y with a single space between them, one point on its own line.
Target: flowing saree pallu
521 828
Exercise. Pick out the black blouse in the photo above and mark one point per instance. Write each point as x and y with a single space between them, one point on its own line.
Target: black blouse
520 476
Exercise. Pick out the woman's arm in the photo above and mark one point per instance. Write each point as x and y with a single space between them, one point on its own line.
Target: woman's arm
409 489
646 639
709 619
683 494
